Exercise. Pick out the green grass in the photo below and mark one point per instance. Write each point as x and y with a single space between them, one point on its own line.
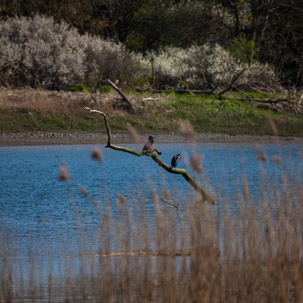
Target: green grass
211 114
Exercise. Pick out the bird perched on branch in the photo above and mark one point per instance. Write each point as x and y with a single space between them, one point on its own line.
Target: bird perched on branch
174 160
148 145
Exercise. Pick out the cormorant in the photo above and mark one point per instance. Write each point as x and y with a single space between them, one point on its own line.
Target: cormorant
174 160
148 144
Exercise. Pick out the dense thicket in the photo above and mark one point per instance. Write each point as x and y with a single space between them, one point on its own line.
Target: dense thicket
266 31
39 52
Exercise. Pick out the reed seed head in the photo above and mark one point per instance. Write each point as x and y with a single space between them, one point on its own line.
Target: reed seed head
155 196
121 201
195 161
166 194
83 190
97 155
272 126
186 129
133 133
64 173
277 159
261 154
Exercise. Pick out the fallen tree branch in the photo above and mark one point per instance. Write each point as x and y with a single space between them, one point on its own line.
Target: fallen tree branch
115 87
232 82
178 91
279 104
271 101
153 155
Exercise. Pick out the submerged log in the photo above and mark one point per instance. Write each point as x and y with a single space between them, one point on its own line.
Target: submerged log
203 251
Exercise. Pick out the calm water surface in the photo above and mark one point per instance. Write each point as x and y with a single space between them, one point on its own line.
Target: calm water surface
34 203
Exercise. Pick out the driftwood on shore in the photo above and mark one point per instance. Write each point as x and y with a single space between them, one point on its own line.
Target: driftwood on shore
293 104
178 91
278 104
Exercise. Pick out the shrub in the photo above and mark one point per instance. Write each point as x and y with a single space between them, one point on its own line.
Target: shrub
108 60
105 89
41 53
80 88
169 65
206 67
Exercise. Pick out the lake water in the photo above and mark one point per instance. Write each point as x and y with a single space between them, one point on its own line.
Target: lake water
36 207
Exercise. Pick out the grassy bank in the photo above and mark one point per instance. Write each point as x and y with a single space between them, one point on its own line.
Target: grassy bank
35 110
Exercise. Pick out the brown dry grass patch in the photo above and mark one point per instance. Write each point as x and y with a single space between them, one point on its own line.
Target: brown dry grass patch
63 102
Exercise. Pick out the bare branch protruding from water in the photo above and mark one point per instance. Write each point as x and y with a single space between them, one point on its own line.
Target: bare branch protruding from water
154 155
176 206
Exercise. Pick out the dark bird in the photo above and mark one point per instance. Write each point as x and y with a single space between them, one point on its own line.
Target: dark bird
148 144
174 160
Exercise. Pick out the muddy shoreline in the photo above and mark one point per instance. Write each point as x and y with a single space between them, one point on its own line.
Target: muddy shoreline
68 138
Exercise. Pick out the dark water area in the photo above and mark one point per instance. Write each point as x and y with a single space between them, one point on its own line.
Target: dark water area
40 211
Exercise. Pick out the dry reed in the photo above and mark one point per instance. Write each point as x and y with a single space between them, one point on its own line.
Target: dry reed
56 102
97 155
195 161
64 173
201 254
134 134
186 130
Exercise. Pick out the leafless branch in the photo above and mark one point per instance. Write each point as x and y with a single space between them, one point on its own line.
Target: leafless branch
154 155
176 206
115 87
233 81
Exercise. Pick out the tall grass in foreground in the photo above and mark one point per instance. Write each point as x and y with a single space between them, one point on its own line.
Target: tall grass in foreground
201 254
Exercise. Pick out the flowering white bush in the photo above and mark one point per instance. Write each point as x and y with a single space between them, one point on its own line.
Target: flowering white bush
106 59
206 67
169 65
39 52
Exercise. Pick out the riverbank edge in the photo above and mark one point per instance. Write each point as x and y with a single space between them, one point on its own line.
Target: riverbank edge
72 138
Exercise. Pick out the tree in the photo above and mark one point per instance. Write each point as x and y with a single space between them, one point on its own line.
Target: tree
275 30
284 40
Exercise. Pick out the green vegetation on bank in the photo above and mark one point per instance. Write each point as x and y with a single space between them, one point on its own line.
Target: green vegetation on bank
153 114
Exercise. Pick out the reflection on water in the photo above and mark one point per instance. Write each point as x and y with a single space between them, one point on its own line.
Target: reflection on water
32 199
